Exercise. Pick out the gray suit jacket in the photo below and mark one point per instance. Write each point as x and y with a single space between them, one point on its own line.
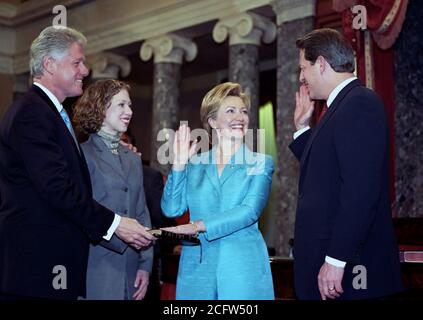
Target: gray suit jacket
117 185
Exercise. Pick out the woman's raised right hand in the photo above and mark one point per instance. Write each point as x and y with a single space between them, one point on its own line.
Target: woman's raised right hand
183 149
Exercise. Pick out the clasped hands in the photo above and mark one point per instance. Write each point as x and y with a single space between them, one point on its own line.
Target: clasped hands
183 149
133 233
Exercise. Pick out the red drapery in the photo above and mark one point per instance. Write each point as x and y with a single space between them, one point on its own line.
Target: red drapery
375 55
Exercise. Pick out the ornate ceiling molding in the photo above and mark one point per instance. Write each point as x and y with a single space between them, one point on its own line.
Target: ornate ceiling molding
108 24
290 10
13 15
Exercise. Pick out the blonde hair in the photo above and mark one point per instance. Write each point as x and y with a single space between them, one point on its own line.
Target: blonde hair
214 98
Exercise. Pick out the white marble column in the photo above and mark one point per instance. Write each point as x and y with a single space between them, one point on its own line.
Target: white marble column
168 51
295 18
246 31
107 65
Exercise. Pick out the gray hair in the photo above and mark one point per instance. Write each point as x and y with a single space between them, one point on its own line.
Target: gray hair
53 41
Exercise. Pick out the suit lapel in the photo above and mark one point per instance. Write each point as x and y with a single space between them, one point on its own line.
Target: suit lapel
331 111
51 105
237 162
85 170
126 162
210 168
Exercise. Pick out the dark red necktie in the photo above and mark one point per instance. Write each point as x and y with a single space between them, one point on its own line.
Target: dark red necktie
322 113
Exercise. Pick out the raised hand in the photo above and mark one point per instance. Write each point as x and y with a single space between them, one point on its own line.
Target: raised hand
130 231
304 108
183 149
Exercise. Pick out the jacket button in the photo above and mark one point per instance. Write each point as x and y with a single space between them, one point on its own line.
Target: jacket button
125 189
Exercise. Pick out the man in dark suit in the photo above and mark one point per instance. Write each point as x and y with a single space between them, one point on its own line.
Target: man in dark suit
344 241
47 214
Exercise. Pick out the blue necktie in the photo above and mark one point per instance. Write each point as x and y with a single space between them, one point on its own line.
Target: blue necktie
66 119
68 123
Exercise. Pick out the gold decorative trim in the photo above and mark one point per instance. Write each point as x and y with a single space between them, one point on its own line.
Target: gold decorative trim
389 17
368 59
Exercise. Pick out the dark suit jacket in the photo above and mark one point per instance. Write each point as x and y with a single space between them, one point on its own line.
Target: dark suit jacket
343 208
47 214
153 186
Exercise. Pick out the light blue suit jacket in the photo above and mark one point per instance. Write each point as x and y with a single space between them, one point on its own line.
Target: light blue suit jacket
232 261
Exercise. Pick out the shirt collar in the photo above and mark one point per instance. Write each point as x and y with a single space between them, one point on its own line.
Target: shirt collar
338 89
52 97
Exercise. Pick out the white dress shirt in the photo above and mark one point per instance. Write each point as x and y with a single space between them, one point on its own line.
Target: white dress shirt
331 98
59 108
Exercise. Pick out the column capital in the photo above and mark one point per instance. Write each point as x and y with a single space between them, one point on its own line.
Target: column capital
107 65
290 10
168 48
245 28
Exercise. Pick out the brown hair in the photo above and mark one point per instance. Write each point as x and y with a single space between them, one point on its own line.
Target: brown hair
331 45
213 100
90 109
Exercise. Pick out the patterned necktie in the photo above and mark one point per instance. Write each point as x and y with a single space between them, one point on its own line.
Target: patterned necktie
68 123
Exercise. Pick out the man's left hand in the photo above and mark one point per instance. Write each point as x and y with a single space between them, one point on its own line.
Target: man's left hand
329 280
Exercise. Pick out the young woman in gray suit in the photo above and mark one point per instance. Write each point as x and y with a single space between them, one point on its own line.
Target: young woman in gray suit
115 270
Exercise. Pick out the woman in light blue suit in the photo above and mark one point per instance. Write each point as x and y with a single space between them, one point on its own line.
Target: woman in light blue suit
115 271
225 190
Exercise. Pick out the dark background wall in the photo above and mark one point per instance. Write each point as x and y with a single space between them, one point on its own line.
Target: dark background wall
409 114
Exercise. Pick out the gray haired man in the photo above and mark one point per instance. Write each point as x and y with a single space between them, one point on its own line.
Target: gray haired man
47 214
